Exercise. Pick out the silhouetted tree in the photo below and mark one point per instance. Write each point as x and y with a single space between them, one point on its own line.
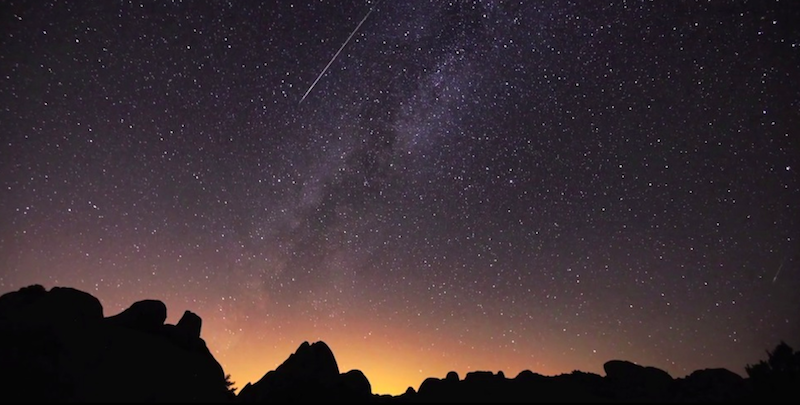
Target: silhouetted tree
777 378
229 386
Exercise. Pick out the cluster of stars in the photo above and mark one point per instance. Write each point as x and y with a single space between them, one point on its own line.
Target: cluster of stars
470 184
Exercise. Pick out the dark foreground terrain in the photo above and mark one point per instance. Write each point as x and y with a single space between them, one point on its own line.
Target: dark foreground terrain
57 346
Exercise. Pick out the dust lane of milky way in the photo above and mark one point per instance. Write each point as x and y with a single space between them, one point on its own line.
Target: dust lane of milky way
474 185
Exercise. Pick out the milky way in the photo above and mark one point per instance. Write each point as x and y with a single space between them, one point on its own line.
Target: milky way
474 185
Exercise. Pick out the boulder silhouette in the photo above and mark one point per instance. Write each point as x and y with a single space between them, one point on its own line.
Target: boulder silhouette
527 375
56 346
309 375
61 306
711 385
186 333
433 387
190 324
35 326
145 315
526 387
634 382
354 385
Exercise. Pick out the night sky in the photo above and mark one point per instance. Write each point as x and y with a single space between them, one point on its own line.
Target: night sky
473 185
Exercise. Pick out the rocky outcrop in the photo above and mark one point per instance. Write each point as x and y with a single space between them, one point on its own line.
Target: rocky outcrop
452 376
631 381
145 316
190 325
711 385
353 386
186 334
56 346
624 382
309 375
626 371
36 307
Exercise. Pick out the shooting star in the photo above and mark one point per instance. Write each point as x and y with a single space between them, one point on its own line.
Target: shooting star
774 279
337 53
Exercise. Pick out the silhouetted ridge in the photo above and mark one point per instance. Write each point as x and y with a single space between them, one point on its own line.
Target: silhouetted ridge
56 346
624 382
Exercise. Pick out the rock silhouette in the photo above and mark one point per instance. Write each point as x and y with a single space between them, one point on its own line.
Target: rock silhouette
145 316
309 375
190 324
34 306
711 385
56 346
632 382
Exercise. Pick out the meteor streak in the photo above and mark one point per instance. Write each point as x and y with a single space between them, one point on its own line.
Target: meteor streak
337 53
774 279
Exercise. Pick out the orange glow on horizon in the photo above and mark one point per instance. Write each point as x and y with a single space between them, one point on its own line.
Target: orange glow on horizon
249 341
392 360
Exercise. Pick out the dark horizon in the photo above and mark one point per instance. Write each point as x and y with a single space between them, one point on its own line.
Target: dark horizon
58 346
467 185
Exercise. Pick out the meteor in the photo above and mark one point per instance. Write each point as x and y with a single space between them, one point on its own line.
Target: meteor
774 279
337 53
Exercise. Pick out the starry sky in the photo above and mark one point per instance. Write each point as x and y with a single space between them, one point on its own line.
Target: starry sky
471 185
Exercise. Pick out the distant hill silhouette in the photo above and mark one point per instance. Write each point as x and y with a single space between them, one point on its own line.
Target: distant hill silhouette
56 346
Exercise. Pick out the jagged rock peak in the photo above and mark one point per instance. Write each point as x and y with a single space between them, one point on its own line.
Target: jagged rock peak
190 324
315 360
